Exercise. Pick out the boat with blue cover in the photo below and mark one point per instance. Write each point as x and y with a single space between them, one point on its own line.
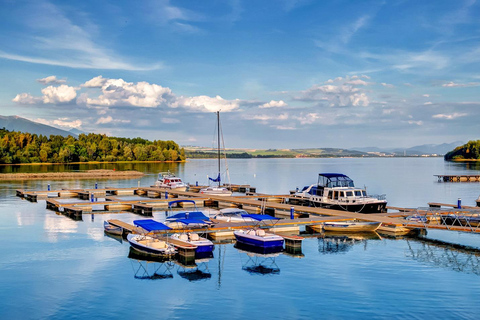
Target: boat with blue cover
337 191
257 237
195 214
147 243
203 244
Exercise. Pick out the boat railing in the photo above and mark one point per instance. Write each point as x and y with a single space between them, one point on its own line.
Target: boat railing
378 196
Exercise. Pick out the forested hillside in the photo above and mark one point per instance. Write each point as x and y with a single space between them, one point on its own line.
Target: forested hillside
469 151
18 147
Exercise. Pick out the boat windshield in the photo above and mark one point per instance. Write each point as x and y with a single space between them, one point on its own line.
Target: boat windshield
332 180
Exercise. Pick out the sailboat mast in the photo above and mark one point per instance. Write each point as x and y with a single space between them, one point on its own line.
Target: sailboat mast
218 146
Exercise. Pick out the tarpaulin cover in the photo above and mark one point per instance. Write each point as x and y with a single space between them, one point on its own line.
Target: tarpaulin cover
151 225
260 217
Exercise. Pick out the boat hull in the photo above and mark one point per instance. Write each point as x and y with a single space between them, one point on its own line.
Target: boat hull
111 229
351 226
258 242
160 252
374 207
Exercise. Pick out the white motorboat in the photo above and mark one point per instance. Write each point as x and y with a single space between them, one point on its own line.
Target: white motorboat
351 226
337 191
150 245
168 180
233 215
203 244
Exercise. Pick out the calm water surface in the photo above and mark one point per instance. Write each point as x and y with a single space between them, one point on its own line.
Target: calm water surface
54 267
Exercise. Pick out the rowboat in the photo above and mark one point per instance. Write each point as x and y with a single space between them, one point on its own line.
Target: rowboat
352 226
111 229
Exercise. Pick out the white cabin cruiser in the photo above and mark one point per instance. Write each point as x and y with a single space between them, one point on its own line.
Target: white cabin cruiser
168 180
337 191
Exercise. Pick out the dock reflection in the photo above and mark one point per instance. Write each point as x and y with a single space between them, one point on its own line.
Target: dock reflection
258 262
150 268
337 243
444 255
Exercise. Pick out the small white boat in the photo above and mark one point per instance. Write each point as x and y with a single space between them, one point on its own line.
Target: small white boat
233 215
168 180
351 226
217 191
150 245
111 229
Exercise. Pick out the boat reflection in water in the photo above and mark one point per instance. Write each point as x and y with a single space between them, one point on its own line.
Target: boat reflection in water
258 262
194 270
150 268
114 237
333 242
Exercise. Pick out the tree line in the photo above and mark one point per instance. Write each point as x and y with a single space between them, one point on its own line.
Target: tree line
469 151
20 147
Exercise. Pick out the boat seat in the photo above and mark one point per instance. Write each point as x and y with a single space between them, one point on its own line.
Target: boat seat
194 237
251 232
183 237
260 233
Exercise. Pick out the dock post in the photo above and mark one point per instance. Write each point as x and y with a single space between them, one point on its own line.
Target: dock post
166 194
459 203
196 183
96 185
48 187
292 210
92 197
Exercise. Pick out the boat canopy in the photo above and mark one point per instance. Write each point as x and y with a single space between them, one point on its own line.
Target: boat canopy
259 217
334 180
151 225
197 215
192 221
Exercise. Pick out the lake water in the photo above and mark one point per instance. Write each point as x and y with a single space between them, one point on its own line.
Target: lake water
54 267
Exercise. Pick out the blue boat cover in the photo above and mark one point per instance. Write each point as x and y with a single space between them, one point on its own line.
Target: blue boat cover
332 175
260 217
189 215
151 225
192 221
215 180
178 201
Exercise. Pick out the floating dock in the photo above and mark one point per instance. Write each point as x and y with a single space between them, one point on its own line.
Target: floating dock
458 178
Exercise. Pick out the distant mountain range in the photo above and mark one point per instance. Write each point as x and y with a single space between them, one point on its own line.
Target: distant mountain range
428 149
16 123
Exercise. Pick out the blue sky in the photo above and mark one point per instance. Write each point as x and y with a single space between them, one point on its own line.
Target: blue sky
284 74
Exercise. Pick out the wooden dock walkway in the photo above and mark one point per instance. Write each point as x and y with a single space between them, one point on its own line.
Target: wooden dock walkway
458 177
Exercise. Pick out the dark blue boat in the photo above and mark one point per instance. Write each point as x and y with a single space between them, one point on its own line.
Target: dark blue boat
258 237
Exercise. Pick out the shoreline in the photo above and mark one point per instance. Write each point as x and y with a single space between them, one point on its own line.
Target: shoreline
88 174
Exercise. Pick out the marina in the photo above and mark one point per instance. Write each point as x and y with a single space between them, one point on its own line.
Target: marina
75 225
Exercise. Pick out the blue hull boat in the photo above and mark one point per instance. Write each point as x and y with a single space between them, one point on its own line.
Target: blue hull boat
259 239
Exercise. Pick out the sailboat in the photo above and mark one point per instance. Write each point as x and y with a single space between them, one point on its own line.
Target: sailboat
217 190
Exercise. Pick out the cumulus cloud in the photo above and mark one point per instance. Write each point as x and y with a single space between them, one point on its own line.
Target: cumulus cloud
449 116
51 80
418 123
274 104
207 104
26 98
60 94
117 92
339 92
170 120
308 118
96 82
387 85
109 119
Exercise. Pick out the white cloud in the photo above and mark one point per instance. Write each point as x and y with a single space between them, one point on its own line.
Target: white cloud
449 116
427 103
282 127
170 120
339 92
452 84
109 119
51 79
96 82
387 85
26 98
308 118
61 122
426 95
60 94
274 104
207 104
266 117
117 92
418 123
